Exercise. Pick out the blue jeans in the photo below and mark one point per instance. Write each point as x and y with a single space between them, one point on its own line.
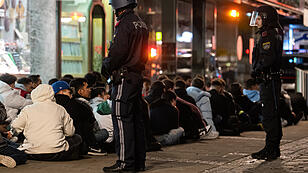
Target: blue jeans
10 143
19 156
172 138
101 135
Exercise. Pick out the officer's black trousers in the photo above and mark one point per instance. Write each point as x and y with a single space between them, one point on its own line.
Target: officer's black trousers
271 119
128 121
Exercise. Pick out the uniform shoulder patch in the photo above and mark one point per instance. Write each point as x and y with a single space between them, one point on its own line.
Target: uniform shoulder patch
266 45
264 34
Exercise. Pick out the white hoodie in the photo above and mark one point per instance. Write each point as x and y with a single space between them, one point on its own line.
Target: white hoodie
12 101
45 123
104 121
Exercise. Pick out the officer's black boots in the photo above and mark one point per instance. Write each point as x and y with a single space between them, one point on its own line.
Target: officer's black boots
261 155
267 153
118 168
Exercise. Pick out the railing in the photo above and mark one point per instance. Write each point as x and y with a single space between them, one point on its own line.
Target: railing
302 82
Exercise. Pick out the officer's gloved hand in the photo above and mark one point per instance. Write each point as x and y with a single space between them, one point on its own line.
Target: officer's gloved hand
105 74
253 74
257 75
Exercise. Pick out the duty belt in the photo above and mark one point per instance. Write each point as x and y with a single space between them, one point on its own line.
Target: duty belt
272 75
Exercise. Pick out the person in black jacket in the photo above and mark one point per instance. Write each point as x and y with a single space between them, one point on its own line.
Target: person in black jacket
299 105
82 116
267 55
164 116
223 109
9 155
180 90
165 119
248 111
125 62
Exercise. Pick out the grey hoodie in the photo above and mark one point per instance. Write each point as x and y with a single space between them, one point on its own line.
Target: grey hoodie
12 101
202 99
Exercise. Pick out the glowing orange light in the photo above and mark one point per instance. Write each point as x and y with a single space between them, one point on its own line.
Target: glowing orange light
153 65
234 13
76 15
153 72
153 52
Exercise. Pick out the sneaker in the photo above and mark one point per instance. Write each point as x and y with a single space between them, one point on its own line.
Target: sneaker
210 135
117 167
7 161
205 131
14 139
24 147
96 152
154 146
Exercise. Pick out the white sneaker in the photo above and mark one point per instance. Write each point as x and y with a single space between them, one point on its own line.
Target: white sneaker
208 128
96 152
7 161
210 135
14 139
24 147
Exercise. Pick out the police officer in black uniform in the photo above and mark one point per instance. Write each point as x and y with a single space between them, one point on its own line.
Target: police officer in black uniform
125 62
267 55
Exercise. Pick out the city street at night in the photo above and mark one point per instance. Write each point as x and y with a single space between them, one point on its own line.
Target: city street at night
157 86
226 154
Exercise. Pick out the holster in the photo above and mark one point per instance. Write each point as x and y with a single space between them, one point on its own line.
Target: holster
118 75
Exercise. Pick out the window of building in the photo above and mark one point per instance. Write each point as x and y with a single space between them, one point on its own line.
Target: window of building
14 41
74 37
184 37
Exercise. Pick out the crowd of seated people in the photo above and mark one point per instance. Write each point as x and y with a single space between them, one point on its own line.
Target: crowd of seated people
69 117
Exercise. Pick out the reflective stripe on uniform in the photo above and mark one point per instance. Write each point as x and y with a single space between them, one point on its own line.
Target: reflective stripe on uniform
120 124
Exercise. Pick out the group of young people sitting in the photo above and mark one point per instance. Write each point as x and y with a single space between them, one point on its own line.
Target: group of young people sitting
72 117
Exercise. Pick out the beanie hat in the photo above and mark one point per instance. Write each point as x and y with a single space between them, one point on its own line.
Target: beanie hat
60 85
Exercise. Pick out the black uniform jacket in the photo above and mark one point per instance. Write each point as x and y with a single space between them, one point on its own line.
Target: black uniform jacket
267 53
129 45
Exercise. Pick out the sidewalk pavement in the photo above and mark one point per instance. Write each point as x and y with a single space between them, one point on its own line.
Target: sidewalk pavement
226 154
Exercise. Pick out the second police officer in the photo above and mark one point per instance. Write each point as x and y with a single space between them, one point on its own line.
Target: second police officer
125 62
267 56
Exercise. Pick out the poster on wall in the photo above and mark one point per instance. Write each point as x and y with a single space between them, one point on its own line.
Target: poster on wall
14 37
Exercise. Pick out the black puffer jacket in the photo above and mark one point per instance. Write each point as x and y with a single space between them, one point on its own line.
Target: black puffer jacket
82 115
164 117
182 93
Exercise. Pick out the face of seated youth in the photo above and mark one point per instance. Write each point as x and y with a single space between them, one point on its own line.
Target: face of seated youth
66 92
85 91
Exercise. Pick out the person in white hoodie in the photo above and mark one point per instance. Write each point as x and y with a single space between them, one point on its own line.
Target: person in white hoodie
48 128
12 100
103 116
202 99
